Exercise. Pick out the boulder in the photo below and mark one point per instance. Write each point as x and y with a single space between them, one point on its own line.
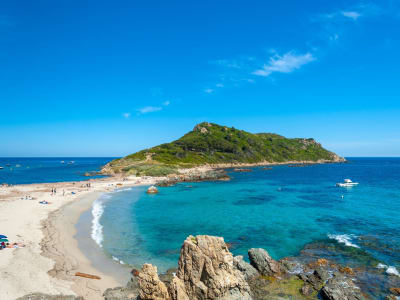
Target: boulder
245 268
207 270
340 287
260 259
129 292
151 287
177 290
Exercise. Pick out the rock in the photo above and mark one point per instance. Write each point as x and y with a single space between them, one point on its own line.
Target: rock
347 270
177 290
316 279
306 290
340 287
129 292
40 296
260 259
151 287
247 270
207 270
395 291
152 190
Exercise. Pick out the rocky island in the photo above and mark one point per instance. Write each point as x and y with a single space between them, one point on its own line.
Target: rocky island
214 146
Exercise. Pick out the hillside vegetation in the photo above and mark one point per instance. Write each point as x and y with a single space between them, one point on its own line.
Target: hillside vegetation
213 144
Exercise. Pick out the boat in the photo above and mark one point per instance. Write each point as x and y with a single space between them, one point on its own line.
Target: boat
63 162
1 168
347 183
71 162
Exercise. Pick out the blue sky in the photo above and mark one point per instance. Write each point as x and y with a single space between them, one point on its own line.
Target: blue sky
108 78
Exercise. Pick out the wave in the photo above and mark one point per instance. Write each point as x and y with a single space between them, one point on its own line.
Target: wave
118 260
389 269
344 239
97 228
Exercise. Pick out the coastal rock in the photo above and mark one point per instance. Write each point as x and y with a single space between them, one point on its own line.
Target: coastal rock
247 270
317 278
177 290
129 292
152 190
340 287
260 259
40 296
207 270
151 287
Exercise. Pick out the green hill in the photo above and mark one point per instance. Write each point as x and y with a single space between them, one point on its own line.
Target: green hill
213 144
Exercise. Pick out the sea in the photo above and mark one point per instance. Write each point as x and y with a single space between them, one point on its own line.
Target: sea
25 170
291 211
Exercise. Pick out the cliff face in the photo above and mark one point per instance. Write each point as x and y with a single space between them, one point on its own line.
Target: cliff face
214 144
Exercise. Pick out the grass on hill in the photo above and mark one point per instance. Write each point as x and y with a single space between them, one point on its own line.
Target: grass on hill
214 144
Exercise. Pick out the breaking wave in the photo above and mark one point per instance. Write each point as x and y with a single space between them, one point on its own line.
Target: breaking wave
344 239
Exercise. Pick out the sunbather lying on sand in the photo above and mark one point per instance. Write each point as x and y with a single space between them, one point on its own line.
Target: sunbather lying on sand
44 202
15 245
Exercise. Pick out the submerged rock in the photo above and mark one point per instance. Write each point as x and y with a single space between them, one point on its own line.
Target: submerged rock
260 259
207 271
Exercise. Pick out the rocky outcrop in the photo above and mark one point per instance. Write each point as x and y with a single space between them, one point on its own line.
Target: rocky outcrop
151 287
194 176
245 268
260 259
177 290
340 287
207 271
129 292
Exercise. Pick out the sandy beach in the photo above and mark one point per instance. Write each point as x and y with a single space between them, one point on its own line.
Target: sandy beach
51 256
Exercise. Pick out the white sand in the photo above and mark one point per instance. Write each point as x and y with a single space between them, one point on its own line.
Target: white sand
51 257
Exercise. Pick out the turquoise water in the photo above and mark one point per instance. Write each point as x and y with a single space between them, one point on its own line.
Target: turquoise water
289 211
24 170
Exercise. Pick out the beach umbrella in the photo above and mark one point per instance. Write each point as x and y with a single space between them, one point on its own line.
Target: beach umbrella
2 236
3 240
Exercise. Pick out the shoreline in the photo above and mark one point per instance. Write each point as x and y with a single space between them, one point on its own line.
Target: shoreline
52 253
50 235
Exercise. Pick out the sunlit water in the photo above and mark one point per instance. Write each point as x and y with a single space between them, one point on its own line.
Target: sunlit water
283 210
48 169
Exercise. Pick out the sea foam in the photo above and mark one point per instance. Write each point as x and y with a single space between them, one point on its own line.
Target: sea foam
344 239
97 228
389 269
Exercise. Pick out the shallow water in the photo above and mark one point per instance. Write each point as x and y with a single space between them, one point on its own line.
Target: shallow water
282 210
48 169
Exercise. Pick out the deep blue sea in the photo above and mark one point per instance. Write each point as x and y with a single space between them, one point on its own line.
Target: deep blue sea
289 211
41 169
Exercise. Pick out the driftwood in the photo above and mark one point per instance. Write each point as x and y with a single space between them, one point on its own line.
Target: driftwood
87 275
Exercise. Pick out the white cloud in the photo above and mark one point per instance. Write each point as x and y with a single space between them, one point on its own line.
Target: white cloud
149 109
351 14
126 115
166 103
284 64
219 85
208 91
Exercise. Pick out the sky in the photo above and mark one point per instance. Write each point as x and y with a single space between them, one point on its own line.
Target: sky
109 78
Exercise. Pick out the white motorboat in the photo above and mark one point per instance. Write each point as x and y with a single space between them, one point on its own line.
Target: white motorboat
1 168
63 162
347 183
